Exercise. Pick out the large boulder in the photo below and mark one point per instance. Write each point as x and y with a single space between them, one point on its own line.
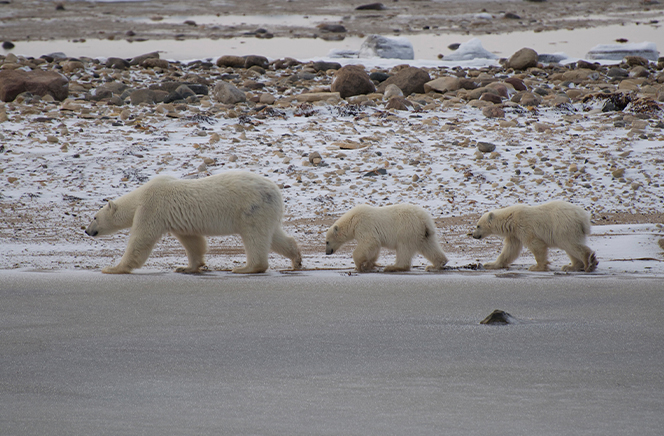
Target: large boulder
409 80
352 80
38 82
443 84
523 59
378 46
227 93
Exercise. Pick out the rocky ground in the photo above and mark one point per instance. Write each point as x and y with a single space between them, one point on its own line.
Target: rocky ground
474 138
466 140
168 19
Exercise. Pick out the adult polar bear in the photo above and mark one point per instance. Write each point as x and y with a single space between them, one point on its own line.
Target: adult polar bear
234 202
407 228
553 224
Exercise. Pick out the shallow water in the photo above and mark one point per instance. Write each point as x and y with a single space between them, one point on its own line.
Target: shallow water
575 43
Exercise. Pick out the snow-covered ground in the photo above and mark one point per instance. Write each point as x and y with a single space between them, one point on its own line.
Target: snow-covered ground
60 162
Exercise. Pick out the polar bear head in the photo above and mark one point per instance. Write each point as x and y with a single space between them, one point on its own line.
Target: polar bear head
106 221
484 228
334 239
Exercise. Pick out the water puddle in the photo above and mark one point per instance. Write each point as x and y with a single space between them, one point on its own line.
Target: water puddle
246 20
575 43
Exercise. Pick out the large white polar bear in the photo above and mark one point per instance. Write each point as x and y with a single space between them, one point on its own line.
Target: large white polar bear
407 228
234 202
553 224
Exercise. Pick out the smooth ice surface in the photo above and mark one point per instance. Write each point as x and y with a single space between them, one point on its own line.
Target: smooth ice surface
647 50
325 353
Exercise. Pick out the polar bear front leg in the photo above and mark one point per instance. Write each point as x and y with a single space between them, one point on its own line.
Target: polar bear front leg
511 250
138 250
540 250
195 247
365 255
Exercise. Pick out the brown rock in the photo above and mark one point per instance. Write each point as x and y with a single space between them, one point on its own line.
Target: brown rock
409 80
493 112
517 83
37 82
231 61
522 59
398 103
493 98
259 61
352 80
442 85
155 63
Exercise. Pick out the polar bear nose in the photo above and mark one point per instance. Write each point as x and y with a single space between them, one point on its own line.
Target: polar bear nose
93 233
329 251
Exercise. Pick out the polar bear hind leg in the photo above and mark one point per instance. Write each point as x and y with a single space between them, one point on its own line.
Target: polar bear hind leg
511 250
365 255
404 259
257 246
582 257
286 245
195 247
433 253
138 250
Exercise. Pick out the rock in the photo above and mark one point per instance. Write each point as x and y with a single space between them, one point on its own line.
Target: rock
409 80
267 98
554 58
486 147
171 86
616 72
386 48
318 96
315 158
98 94
231 61
398 103
117 63
443 85
634 61
523 59
499 317
647 50
325 66
580 75
491 97
379 77
148 96
470 50
352 80
140 59
585 64
253 60
618 173
528 99
371 7
8 45
37 82
155 63
392 90
331 28
71 66
493 112
181 93
516 83
227 93
639 71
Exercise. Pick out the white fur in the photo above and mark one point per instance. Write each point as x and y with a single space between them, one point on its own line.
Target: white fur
235 202
554 224
406 228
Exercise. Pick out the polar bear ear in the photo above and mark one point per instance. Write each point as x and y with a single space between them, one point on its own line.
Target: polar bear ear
112 206
490 217
336 229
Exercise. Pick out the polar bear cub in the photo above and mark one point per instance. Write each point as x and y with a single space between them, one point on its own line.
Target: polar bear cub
553 224
231 203
407 228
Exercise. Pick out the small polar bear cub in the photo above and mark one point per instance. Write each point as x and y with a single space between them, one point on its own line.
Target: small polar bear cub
553 224
407 228
231 203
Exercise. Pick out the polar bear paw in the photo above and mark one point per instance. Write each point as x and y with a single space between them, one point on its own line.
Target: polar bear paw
539 267
493 265
396 268
190 270
115 270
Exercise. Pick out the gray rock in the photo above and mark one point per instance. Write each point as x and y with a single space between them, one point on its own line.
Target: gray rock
486 147
227 93
140 59
324 66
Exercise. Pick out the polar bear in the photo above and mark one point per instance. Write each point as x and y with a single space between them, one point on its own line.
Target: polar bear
234 202
407 228
553 224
